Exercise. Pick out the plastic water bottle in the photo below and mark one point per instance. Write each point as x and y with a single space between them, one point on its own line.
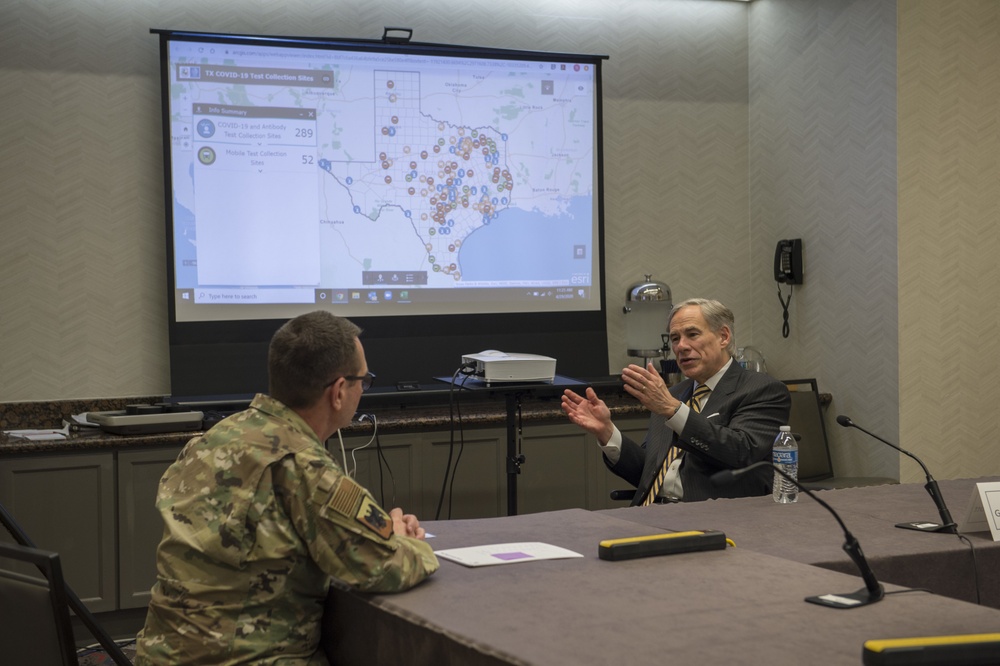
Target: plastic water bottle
785 456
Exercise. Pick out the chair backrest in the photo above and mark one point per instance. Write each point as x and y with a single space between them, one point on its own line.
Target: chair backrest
34 614
806 420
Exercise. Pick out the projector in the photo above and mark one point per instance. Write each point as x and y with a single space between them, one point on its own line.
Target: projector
496 366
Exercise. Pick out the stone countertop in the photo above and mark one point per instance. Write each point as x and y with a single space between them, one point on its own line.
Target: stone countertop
25 415
392 417
477 414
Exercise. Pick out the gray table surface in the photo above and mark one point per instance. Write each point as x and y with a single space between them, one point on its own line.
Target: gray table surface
806 532
724 606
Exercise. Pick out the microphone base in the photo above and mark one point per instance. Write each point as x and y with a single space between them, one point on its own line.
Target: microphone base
925 526
862 597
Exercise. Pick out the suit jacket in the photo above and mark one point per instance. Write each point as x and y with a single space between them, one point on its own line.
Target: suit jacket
736 427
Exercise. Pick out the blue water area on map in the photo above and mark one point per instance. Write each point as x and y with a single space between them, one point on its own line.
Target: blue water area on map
528 245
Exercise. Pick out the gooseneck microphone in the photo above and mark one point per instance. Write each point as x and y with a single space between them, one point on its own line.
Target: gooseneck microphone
870 593
947 524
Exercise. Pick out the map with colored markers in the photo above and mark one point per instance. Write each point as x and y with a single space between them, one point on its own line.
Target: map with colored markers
417 174
447 180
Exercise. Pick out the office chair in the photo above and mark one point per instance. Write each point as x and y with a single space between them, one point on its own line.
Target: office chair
34 612
815 464
16 618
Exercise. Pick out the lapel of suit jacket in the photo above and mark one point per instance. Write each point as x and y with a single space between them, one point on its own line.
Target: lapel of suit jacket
727 384
725 387
719 395
684 390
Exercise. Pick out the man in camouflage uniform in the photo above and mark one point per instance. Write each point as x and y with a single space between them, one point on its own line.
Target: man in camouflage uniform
258 516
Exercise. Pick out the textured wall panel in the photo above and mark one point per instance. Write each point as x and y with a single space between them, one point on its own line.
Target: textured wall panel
949 234
823 169
676 156
82 293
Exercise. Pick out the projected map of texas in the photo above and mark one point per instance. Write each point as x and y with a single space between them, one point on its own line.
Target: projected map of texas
447 180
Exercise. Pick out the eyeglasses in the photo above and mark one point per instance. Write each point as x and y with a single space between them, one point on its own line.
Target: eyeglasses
366 380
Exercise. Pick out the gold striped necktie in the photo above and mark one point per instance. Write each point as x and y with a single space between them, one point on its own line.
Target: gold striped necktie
696 401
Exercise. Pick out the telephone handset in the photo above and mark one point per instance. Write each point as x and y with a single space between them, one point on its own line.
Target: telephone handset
787 270
788 261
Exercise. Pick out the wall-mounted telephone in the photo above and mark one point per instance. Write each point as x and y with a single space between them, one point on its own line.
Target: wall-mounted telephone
788 261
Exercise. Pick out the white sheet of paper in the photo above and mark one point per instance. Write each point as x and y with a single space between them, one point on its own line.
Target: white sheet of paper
39 434
505 553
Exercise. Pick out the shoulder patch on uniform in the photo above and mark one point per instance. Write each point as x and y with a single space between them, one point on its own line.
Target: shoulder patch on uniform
374 517
346 497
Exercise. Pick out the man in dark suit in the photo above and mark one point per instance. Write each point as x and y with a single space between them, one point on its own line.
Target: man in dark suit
721 416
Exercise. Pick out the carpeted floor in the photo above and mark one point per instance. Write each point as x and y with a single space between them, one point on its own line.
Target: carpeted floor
96 655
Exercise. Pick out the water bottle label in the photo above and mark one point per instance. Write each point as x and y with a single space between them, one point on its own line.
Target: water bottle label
785 457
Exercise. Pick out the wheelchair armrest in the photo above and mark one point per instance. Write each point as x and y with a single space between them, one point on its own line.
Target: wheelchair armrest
625 495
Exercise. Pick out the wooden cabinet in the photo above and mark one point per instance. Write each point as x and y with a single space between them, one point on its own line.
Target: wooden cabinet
410 471
562 469
141 527
66 504
475 487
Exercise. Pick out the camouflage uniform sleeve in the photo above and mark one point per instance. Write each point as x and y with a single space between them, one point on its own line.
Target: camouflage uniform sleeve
347 533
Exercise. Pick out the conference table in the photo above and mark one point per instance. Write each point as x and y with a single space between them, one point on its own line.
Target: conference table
735 605
806 532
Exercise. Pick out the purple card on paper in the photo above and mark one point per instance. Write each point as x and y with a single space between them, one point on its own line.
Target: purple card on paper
504 553
511 556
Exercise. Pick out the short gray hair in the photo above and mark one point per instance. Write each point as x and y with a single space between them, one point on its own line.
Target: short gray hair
716 316
307 353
